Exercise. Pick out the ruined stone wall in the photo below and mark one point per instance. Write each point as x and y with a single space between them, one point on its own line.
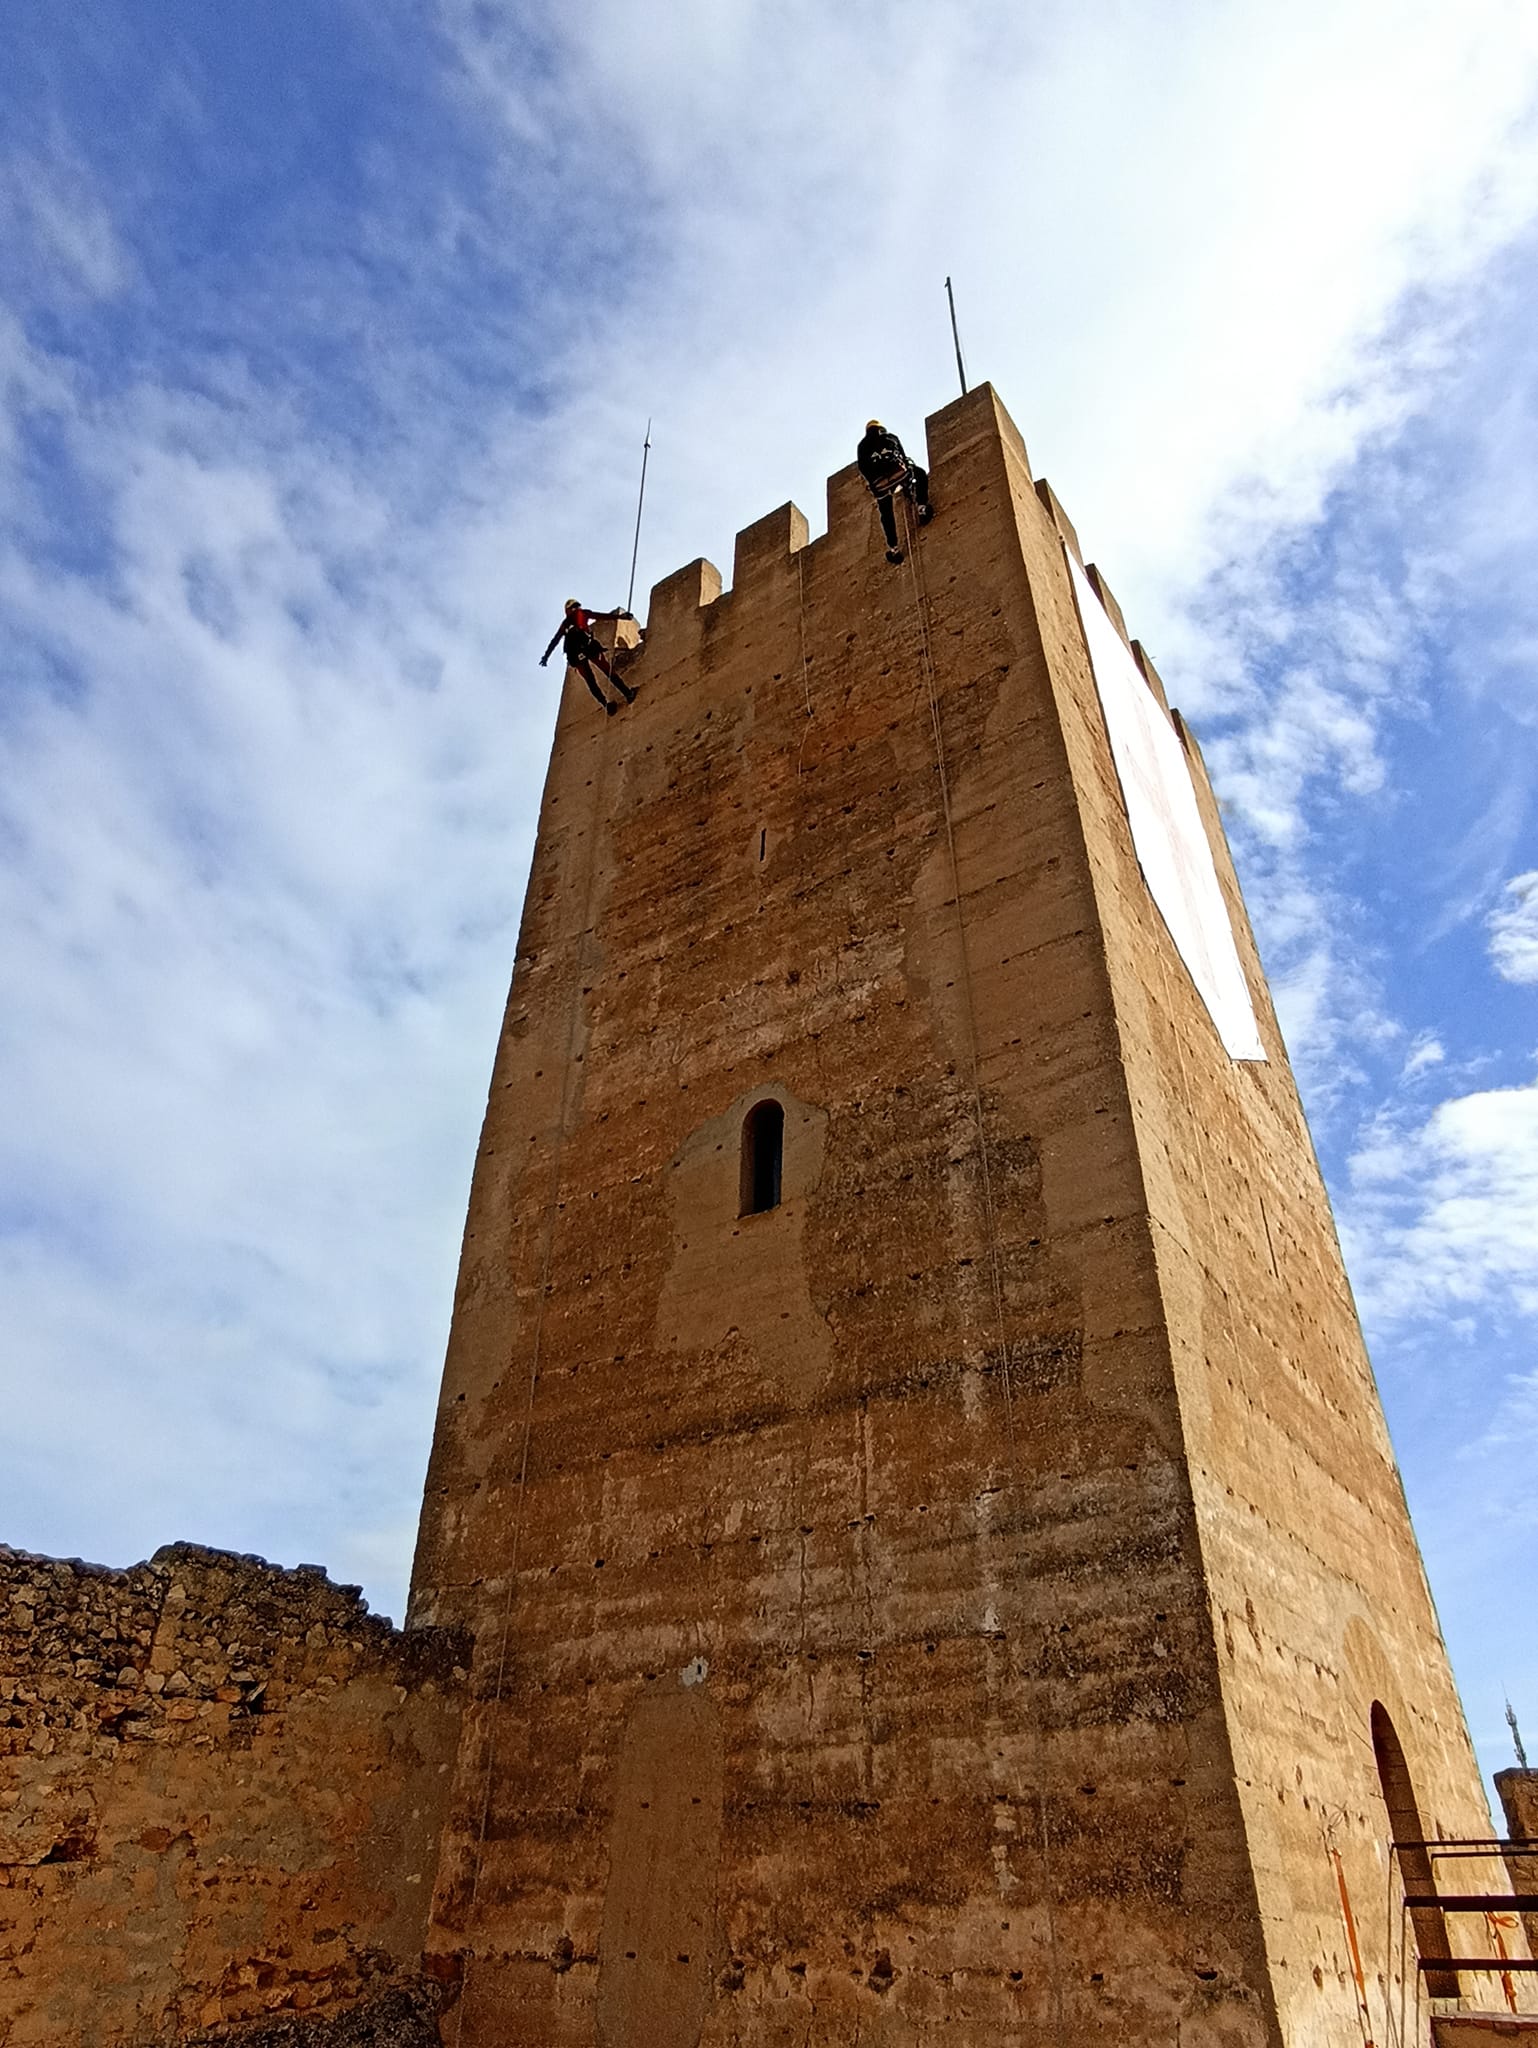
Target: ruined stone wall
1518 1794
221 1790
845 1670
1316 1583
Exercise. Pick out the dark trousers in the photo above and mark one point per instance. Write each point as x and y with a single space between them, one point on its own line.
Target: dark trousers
581 651
585 671
915 481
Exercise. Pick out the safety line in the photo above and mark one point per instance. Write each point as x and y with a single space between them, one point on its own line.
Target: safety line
921 610
926 650
806 666
803 1474
568 1091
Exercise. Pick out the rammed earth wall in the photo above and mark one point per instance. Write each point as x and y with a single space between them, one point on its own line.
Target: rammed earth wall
221 1791
947 1606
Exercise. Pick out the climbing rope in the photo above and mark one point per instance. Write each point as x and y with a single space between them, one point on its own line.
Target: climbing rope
806 665
990 1220
557 1157
927 670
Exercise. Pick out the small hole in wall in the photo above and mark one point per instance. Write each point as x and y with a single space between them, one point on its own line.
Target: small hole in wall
763 840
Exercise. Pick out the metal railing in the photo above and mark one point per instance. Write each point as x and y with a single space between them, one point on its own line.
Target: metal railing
1415 1891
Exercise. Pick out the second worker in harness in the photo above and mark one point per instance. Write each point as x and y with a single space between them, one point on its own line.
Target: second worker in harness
583 651
887 468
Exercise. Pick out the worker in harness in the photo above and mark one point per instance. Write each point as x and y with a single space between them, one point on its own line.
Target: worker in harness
582 651
886 467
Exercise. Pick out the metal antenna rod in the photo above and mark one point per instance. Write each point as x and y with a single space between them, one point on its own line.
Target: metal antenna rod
646 449
961 368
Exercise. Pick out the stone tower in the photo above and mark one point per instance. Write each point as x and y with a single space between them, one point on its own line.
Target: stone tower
906 1449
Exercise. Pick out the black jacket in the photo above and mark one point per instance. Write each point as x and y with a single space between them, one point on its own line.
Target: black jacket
576 629
880 457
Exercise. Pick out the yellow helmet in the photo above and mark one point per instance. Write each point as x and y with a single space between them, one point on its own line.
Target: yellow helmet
572 605
873 426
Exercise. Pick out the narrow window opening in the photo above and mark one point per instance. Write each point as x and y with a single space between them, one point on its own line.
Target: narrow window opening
763 840
763 1150
1415 1865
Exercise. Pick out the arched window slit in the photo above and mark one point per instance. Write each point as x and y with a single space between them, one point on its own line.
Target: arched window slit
763 1152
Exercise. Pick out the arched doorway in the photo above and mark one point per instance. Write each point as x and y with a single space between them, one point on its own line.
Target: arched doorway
1415 1865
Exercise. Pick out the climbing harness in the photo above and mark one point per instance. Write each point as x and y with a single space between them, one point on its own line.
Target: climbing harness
900 486
582 650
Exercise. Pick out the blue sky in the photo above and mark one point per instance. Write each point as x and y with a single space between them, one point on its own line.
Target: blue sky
328 338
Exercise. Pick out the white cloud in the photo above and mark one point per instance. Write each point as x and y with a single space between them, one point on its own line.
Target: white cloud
1173 292
1329 1001
1514 929
262 873
270 787
1426 1051
59 217
1443 1214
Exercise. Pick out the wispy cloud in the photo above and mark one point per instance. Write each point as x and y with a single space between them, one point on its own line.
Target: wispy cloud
1513 928
291 468
60 223
1444 1212
256 843
1426 1052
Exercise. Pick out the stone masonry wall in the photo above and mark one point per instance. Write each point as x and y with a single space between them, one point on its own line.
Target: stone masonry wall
859 1682
1518 1793
220 1799
950 1605
1316 1585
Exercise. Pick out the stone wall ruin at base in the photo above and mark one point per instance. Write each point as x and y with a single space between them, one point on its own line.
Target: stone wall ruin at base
221 1794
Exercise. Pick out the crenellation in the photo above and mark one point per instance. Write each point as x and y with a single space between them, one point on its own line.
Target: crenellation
768 544
1059 519
972 425
851 516
783 536
1150 674
1102 590
674 616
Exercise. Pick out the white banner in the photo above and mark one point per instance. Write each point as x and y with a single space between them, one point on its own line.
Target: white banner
1167 833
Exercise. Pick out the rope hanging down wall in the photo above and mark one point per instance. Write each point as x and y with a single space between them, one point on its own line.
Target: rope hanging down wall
571 1075
985 1170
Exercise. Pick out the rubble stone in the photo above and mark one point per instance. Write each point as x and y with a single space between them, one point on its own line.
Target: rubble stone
254 1837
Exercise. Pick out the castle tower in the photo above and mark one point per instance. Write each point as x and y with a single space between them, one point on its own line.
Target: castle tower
906 1450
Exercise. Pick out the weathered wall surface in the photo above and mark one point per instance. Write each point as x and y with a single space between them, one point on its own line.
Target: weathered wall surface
948 1606
1315 1581
221 1791
845 1665
1518 1794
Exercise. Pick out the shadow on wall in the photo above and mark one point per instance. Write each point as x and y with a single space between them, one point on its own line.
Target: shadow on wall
1414 1862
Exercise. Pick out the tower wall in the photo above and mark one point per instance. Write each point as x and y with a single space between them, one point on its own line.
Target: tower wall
1320 1604
855 1584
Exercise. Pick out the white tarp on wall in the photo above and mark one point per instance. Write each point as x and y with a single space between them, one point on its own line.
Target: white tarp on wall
1167 833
